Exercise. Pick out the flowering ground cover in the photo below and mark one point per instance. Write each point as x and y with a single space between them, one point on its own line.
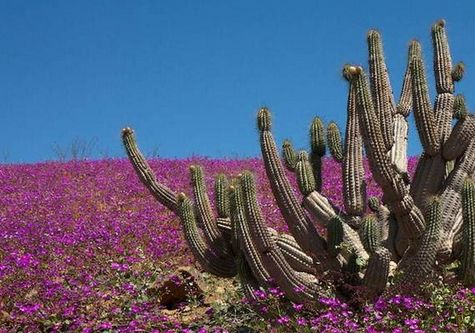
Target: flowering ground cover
83 247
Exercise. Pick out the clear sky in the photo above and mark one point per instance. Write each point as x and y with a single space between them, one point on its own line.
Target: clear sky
189 76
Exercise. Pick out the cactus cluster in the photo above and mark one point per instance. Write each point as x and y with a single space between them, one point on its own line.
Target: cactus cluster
419 227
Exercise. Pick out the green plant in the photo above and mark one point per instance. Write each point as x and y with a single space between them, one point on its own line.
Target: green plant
419 226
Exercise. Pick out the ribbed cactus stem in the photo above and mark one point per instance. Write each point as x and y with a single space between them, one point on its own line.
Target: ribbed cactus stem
221 194
294 254
442 59
377 272
443 110
354 187
421 264
285 276
405 99
468 231
451 198
459 139
204 212
305 178
162 193
381 88
208 259
300 226
264 120
233 212
318 149
246 244
460 108
394 187
253 212
458 71
370 233
249 284
334 141
423 113
317 137
289 155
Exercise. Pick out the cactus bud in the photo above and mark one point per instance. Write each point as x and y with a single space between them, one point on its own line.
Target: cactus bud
373 204
458 71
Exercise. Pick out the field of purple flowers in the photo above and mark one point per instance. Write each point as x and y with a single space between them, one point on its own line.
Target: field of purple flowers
82 244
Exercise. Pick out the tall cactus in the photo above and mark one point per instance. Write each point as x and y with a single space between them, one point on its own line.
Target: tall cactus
468 254
416 224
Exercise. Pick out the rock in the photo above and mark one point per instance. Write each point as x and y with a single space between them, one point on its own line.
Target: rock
179 288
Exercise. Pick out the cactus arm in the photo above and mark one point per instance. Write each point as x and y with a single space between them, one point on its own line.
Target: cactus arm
383 173
451 198
296 258
305 178
398 152
428 178
334 141
443 79
405 99
249 283
289 155
317 145
396 193
424 116
381 88
317 137
418 267
243 235
442 59
468 232
299 225
204 213
208 259
444 106
284 275
457 240
370 234
354 187
319 208
459 139
221 195
162 193
460 109
377 272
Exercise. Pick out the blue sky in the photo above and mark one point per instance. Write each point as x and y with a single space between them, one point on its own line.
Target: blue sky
189 76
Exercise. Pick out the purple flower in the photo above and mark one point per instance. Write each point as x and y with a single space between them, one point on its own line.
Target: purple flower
284 320
297 307
29 308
